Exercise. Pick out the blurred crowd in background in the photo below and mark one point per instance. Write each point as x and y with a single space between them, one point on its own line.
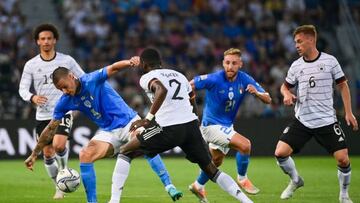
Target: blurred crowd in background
191 35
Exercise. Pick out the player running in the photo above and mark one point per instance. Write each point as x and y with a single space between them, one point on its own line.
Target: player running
314 74
38 71
171 121
225 91
93 95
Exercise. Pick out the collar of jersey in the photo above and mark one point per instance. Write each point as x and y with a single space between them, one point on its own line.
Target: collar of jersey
49 59
310 61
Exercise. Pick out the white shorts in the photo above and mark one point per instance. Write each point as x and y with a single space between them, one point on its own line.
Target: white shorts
116 137
218 136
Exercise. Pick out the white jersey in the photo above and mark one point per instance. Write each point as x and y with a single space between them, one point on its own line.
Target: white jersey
315 86
176 108
39 72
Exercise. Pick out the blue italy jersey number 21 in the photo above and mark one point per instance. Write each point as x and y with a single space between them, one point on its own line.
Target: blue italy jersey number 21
229 105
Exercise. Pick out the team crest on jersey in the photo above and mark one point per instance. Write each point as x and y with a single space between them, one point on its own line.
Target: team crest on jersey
87 103
231 95
321 67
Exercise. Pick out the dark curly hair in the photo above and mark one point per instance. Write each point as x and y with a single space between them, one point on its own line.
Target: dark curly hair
45 27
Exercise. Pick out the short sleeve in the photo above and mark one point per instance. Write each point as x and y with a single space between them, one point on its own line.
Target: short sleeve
145 79
337 72
291 76
251 81
98 75
60 109
75 67
203 81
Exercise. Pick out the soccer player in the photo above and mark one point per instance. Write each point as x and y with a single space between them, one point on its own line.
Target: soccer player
225 90
93 95
172 122
38 71
314 74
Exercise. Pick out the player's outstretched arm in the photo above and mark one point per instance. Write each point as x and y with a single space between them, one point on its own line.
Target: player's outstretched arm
46 136
346 97
117 66
160 93
263 96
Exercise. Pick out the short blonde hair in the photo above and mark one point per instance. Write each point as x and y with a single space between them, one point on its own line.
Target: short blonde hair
306 29
232 51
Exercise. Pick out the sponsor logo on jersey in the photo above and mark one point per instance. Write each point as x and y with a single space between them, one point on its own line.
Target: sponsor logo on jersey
286 130
203 77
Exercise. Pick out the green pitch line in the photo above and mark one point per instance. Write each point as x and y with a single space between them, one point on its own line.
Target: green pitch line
19 185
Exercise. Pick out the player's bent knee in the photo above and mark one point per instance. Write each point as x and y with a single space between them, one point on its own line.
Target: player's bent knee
343 161
282 150
247 146
241 144
217 161
59 148
85 156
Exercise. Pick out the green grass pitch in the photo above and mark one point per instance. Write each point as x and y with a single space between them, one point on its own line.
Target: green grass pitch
19 185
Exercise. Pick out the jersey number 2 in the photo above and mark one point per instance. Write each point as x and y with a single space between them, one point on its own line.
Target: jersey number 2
178 86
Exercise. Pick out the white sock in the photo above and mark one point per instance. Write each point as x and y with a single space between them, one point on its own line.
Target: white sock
344 182
62 158
51 167
288 166
198 185
240 177
120 174
229 185
167 188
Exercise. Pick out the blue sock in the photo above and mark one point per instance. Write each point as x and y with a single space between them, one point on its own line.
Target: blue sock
159 168
202 178
242 162
89 180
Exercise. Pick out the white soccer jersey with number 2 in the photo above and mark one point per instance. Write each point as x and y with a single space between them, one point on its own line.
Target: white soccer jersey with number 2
176 108
315 81
39 72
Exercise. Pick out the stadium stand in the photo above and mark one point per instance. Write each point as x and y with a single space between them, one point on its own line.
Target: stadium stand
191 34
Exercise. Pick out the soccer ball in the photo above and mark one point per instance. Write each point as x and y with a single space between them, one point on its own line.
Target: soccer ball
68 180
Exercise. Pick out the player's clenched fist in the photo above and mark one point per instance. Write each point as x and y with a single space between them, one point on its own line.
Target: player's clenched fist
30 161
39 100
289 99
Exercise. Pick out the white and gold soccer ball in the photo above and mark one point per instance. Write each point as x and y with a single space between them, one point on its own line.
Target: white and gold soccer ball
68 180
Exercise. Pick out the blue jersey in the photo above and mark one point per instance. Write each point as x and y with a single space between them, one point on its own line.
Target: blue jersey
223 98
98 101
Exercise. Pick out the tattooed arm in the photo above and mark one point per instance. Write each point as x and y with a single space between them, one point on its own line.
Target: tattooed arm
44 139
